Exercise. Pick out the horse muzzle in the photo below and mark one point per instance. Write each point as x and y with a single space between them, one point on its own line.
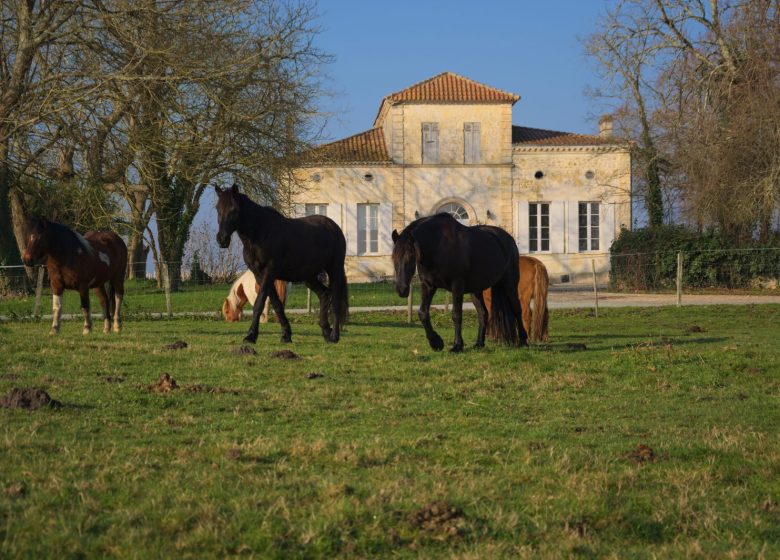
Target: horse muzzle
403 291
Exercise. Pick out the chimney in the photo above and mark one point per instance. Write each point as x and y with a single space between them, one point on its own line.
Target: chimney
605 126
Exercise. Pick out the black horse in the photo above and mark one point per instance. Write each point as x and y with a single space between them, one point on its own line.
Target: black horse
461 260
289 249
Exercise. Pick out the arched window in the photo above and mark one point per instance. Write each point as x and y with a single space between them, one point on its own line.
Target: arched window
456 211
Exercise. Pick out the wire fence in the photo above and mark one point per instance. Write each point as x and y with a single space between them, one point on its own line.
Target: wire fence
25 292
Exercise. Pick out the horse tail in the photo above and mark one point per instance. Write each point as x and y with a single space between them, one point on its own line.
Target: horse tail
502 320
339 298
541 314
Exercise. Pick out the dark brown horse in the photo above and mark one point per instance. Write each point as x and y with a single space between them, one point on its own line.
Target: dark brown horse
76 262
532 287
295 250
462 260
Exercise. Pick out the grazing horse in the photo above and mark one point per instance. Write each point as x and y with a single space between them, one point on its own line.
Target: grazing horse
533 286
462 260
79 263
244 290
294 250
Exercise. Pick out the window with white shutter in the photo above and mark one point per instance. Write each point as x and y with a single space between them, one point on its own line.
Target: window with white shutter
538 227
367 229
471 135
430 142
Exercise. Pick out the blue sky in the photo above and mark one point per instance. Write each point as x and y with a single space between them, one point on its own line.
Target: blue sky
530 48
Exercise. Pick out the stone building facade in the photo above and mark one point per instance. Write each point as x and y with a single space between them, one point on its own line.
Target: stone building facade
448 144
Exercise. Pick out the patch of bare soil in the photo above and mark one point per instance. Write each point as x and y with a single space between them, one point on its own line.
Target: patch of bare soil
285 355
234 454
439 519
576 346
244 350
178 345
16 490
165 384
28 398
314 375
112 378
641 454
695 329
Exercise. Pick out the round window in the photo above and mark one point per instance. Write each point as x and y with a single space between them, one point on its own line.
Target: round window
456 211
368 177
538 175
589 175
316 177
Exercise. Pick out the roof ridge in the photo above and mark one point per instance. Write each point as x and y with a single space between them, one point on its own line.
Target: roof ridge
373 128
422 83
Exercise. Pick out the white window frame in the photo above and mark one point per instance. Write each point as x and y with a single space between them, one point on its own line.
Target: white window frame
471 142
539 227
430 142
315 209
368 229
589 224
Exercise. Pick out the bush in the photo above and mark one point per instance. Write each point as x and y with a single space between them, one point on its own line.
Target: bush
646 259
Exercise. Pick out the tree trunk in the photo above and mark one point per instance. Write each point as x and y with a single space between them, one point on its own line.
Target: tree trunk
9 251
18 217
137 253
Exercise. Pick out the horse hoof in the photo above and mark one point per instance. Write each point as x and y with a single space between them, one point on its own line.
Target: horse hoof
287 339
54 332
250 339
457 348
437 343
333 339
479 345
85 332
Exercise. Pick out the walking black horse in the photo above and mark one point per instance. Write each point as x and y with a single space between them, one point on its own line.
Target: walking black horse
462 260
295 250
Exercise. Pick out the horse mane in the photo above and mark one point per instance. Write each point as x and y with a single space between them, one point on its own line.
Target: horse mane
64 242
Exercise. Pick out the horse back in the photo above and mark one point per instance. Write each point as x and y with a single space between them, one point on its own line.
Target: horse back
111 246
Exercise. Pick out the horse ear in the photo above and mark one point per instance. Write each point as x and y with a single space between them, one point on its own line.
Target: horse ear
395 235
234 189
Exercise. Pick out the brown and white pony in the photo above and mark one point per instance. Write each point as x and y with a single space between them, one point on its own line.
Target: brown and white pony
76 262
533 286
245 289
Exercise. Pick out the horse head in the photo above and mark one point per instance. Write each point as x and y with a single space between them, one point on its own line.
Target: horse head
404 261
37 241
230 313
228 214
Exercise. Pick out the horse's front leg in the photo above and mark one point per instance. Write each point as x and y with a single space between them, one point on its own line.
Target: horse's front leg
479 303
270 288
457 315
104 303
427 293
84 295
257 309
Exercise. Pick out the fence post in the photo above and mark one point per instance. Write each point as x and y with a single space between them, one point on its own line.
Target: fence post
409 303
679 277
446 302
308 300
38 293
595 286
166 270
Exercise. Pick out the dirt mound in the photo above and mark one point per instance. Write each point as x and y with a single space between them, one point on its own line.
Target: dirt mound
178 345
576 346
28 398
314 375
165 384
641 454
695 329
440 519
285 355
245 350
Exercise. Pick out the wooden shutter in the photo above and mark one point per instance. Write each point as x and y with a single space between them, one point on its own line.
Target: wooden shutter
606 226
522 228
430 142
557 226
350 228
334 213
572 226
385 228
471 136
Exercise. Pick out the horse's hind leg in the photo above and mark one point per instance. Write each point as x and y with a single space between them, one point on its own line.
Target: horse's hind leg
106 305
510 289
279 310
479 304
56 309
457 315
324 297
84 294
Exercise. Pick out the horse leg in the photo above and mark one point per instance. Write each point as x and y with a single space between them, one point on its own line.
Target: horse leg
264 314
254 327
324 297
119 294
56 310
510 290
84 294
457 315
270 288
426 294
337 291
104 303
479 303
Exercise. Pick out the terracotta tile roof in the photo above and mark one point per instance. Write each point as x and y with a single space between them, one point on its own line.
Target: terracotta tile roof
450 87
526 136
364 147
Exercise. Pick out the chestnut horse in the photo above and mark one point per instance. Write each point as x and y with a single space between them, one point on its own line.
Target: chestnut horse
79 263
533 286
462 260
244 290
295 250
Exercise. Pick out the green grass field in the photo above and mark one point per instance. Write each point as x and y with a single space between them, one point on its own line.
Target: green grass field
394 450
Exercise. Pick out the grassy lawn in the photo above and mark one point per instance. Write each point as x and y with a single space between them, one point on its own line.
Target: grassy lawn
394 450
